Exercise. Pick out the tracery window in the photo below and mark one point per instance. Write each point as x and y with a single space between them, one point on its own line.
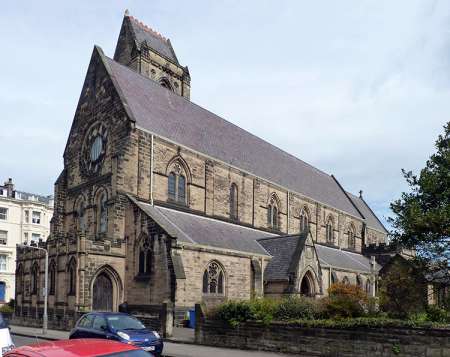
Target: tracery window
273 214
145 256
351 238
213 279
329 231
102 212
177 185
346 280
233 202
304 220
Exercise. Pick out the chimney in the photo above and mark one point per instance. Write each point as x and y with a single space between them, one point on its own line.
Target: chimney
9 187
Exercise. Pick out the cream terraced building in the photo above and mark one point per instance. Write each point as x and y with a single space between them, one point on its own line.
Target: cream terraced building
161 200
24 218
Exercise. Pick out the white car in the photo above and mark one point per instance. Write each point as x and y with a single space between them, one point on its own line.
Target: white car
6 342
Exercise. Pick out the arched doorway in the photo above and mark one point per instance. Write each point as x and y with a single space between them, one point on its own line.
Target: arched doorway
102 293
307 285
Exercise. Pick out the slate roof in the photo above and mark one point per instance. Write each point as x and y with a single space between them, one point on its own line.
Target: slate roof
192 228
26 196
154 40
342 259
173 117
282 249
370 218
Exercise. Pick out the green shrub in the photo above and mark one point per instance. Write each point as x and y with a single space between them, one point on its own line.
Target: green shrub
235 312
264 309
345 301
436 314
293 308
6 309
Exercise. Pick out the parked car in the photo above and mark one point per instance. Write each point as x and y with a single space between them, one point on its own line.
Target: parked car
78 348
120 327
6 342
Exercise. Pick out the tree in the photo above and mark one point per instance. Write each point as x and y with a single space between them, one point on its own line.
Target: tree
422 215
402 288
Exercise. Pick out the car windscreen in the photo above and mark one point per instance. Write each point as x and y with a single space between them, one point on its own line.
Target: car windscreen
135 353
124 323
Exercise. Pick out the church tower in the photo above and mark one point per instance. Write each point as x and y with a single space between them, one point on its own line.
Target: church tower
149 53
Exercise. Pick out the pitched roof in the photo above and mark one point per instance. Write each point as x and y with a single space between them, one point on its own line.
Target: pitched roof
371 219
192 228
342 259
164 113
283 250
154 39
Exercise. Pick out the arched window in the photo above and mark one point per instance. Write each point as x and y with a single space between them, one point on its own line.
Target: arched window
19 279
346 280
213 279
34 279
334 278
233 202
72 277
165 83
145 256
52 278
359 281
329 231
273 213
351 238
304 221
102 212
177 187
81 219
367 288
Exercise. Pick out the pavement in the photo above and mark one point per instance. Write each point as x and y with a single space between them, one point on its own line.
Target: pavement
179 346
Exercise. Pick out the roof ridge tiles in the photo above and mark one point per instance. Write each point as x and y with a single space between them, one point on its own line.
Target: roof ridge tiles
147 28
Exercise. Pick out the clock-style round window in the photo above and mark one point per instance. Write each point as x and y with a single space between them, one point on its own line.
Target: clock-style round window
94 149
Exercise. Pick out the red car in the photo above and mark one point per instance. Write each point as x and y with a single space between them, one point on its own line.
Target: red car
78 348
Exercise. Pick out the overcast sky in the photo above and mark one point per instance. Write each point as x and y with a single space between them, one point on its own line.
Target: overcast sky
360 89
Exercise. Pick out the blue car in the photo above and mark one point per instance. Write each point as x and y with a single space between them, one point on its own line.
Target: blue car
119 327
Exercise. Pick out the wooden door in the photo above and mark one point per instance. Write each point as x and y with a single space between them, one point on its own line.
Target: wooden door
102 299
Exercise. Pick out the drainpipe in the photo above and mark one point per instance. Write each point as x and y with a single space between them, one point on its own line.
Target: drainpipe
262 277
372 273
151 172
288 216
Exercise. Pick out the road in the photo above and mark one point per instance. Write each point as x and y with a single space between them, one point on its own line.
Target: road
178 349
21 341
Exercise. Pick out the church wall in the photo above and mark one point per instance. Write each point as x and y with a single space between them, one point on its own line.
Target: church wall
155 288
195 260
297 204
209 193
375 237
275 289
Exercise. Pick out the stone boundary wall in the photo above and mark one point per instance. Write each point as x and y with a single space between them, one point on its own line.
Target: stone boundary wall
155 317
282 337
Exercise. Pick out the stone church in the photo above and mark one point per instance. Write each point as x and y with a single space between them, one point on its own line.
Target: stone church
161 200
